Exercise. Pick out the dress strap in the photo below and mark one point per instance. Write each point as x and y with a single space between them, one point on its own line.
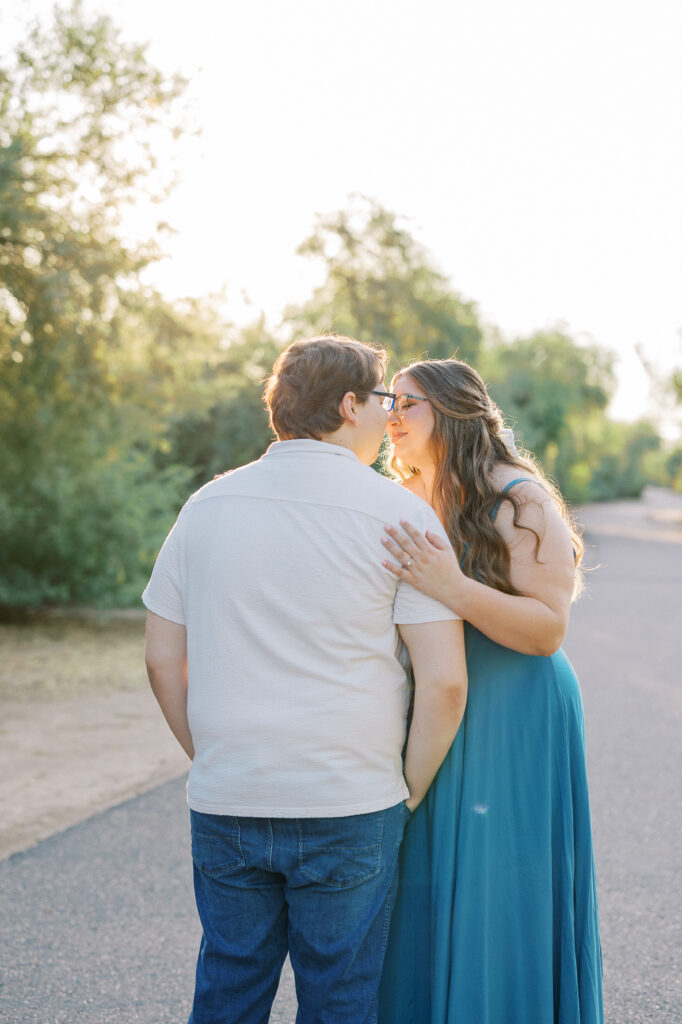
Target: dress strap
518 480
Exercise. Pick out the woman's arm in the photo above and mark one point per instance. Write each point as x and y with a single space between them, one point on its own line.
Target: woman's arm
532 624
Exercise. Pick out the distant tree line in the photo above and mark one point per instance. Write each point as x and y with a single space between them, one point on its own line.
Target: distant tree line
115 403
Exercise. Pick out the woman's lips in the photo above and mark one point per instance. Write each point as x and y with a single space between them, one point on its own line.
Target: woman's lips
397 437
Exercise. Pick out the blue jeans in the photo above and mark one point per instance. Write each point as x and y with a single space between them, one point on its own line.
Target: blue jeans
320 889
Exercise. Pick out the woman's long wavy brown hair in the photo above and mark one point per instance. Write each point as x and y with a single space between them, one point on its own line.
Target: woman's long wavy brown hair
468 446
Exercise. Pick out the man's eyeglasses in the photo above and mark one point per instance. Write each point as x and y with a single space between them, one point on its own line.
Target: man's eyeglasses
399 404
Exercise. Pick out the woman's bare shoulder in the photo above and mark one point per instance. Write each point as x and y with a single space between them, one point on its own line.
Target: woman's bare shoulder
538 518
527 488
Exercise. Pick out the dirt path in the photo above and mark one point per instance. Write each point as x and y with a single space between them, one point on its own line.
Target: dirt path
80 730
62 761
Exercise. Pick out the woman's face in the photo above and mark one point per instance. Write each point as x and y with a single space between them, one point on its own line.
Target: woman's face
411 429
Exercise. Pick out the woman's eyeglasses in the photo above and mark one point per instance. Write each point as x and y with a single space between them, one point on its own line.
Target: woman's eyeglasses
398 404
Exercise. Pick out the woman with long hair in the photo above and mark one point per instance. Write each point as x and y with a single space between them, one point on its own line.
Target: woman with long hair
496 915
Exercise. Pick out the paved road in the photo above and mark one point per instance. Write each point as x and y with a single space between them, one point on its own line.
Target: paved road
97 925
625 641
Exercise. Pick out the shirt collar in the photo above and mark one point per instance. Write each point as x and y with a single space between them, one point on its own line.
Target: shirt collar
306 444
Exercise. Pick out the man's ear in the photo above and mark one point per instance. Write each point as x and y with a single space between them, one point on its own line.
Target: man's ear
348 407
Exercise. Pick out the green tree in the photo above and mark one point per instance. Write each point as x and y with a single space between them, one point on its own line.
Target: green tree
676 384
234 429
381 286
545 384
84 348
555 393
602 459
673 469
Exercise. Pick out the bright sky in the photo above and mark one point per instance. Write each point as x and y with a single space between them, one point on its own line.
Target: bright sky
535 148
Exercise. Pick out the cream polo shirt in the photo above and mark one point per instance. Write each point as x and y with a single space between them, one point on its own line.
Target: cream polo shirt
297 700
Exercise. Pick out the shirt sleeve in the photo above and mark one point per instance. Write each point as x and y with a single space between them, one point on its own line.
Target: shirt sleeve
411 606
163 593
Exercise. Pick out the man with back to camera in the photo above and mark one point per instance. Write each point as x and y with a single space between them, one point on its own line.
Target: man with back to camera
272 650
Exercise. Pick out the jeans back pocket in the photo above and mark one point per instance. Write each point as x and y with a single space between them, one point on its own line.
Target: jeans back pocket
341 852
216 844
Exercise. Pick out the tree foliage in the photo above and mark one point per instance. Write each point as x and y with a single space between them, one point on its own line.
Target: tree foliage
543 382
79 110
380 286
555 393
234 429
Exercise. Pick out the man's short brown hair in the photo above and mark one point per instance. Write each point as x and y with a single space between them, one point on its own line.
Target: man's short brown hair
311 377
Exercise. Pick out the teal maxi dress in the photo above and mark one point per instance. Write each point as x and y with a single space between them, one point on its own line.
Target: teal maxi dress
495 919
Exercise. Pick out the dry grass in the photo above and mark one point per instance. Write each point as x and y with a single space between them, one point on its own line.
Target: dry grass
65 655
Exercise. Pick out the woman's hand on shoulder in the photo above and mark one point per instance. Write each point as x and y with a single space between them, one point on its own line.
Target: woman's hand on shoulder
426 561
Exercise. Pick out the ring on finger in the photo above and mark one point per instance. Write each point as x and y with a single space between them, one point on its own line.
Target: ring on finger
408 563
